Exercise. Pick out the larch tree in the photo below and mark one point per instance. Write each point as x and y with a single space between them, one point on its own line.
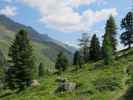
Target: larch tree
61 62
21 67
77 60
110 29
95 49
107 50
41 70
84 47
127 24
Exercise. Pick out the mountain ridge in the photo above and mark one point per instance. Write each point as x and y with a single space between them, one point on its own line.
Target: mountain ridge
45 48
36 36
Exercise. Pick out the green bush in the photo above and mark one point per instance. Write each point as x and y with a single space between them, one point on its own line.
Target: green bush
130 69
128 94
106 83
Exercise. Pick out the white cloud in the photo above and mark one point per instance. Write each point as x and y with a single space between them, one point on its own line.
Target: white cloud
8 1
60 15
81 2
8 11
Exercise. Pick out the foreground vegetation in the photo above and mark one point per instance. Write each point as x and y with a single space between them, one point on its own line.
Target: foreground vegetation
85 77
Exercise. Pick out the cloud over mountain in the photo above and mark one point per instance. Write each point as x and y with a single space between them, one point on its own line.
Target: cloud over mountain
8 11
60 14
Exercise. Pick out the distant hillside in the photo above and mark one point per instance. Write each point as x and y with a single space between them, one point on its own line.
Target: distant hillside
45 47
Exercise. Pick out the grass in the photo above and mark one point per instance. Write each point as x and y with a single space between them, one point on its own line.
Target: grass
85 77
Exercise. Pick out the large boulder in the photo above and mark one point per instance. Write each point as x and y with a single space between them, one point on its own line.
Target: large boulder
35 83
65 85
70 86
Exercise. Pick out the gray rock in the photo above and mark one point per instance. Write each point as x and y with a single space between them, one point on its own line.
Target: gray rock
98 66
70 86
35 83
66 86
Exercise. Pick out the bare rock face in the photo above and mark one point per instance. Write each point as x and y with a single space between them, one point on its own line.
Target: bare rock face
65 85
35 83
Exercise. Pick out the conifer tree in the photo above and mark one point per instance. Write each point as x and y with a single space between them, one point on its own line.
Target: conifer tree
84 47
21 66
41 70
127 24
2 59
95 50
77 60
107 50
61 62
110 29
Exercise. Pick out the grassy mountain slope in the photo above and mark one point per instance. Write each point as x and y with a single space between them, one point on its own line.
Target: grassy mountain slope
85 77
45 48
6 38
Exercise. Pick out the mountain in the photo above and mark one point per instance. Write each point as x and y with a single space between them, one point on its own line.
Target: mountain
45 47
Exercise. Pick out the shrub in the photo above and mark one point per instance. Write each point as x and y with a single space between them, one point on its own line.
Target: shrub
129 81
106 83
128 94
130 69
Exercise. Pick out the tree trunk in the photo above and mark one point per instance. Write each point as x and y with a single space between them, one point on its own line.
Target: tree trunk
129 46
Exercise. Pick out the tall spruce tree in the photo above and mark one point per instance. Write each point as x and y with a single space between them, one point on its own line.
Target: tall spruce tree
84 47
107 50
61 62
111 30
21 66
2 59
95 49
41 70
77 60
127 24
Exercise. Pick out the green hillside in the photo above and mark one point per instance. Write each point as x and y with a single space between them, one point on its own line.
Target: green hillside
85 77
45 48
7 36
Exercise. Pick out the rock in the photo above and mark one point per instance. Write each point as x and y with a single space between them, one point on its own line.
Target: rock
35 83
70 86
98 66
66 86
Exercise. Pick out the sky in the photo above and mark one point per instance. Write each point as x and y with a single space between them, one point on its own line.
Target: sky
66 20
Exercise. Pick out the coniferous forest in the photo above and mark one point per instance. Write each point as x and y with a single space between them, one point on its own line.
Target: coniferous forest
34 69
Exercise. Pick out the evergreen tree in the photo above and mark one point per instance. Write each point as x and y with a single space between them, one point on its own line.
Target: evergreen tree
77 60
107 50
127 24
95 50
84 46
111 30
61 62
21 66
41 70
2 59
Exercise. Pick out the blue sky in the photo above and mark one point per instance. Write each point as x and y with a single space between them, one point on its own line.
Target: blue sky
66 20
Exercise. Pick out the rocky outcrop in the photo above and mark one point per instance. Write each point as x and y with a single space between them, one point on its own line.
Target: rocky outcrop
65 85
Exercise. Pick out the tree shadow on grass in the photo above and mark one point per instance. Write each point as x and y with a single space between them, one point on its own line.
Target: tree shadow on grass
5 95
